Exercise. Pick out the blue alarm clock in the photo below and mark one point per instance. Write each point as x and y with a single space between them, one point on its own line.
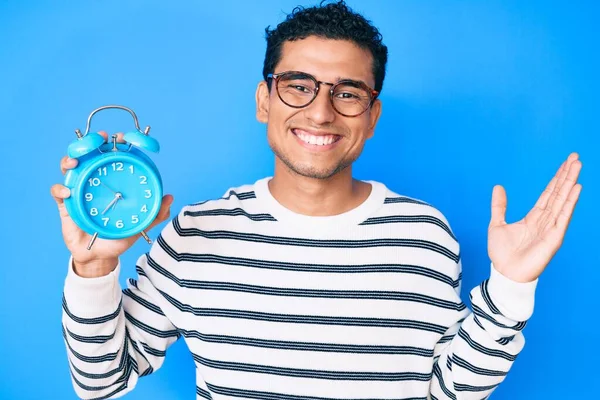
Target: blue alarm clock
116 189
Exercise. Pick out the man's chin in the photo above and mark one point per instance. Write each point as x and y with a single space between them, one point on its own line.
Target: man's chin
316 172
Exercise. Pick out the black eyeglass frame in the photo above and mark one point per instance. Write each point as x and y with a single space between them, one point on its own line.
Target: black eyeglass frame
372 92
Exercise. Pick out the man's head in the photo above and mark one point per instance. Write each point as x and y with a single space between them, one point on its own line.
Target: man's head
313 133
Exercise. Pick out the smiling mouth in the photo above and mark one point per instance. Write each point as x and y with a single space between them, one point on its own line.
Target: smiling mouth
315 140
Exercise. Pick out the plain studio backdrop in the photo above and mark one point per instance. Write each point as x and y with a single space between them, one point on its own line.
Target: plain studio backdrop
476 94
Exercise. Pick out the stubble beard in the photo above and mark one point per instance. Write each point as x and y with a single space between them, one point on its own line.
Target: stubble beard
310 171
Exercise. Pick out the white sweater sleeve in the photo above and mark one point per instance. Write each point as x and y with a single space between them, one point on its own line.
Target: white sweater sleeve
477 352
114 336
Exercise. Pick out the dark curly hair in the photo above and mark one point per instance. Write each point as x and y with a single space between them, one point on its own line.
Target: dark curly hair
331 21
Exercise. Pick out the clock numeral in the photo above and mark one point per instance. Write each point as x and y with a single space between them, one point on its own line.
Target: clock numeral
94 212
89 197
94 181
144 209
105 221
102 171
117 166
143 180
148 194
119 224
131 168
134 219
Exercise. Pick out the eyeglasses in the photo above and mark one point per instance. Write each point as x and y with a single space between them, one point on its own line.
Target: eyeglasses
348 97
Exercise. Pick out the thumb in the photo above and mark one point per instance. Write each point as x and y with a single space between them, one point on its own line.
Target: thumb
165 211
498 206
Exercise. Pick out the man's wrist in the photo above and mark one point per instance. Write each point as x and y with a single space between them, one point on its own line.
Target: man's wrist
94 268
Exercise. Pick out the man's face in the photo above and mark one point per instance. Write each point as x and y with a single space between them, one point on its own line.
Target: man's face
299 137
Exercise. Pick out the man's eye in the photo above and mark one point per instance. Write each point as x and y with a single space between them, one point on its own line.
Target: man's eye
347 95
300 88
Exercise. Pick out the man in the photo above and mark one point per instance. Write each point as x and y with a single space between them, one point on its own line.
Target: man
311 284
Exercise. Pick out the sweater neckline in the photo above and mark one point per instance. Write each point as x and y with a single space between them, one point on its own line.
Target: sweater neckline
351 217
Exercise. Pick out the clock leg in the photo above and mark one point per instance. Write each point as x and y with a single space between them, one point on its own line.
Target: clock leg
92 240
145 236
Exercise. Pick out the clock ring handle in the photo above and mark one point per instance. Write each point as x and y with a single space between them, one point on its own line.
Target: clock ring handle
135 119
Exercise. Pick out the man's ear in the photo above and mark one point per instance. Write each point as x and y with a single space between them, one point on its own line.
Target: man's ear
262 102
374 115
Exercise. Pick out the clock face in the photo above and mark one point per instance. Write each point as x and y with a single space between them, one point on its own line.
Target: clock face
121 197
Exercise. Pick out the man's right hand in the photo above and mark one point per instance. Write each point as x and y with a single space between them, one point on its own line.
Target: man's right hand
103 257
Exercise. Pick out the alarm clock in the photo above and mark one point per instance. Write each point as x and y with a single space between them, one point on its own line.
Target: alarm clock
116 189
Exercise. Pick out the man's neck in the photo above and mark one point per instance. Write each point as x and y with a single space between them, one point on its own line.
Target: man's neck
318 197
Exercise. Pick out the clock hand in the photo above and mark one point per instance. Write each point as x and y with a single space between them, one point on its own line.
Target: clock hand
103 184
113 202
120 197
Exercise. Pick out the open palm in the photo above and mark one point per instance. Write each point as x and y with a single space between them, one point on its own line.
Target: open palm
522 250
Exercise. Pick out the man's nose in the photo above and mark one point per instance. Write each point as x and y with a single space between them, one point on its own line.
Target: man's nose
321 111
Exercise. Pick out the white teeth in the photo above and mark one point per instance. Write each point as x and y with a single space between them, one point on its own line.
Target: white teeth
316 140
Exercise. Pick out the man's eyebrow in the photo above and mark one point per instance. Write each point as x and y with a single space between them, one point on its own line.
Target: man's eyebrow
356 82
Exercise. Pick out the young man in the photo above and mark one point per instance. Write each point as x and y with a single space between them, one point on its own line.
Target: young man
312 285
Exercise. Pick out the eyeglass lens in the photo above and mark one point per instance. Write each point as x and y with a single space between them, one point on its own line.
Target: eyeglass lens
298 90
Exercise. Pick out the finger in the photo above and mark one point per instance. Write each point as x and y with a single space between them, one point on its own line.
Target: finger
108 137
67 163
498 206
165 211
104 134
120 137
564 217
59 193
569 182
163 214
561 180
545 196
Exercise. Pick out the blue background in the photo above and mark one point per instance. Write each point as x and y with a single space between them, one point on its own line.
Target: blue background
477 93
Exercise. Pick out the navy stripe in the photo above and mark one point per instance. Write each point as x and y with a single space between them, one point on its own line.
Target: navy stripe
99 376
253 394
302 242
396 200
312 268
108 374
90 359
393 219
480 313
99 339
121 379
234 212
152 351
304 319
461 362
311 373
143 302
96 320
489 352
111 394
469 388
149 329
438 374
203 393
486 297
505 340
107 396
148 370
312 293
240 196
445 339
308 346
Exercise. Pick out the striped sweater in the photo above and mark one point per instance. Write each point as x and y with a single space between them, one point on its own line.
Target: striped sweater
280 306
